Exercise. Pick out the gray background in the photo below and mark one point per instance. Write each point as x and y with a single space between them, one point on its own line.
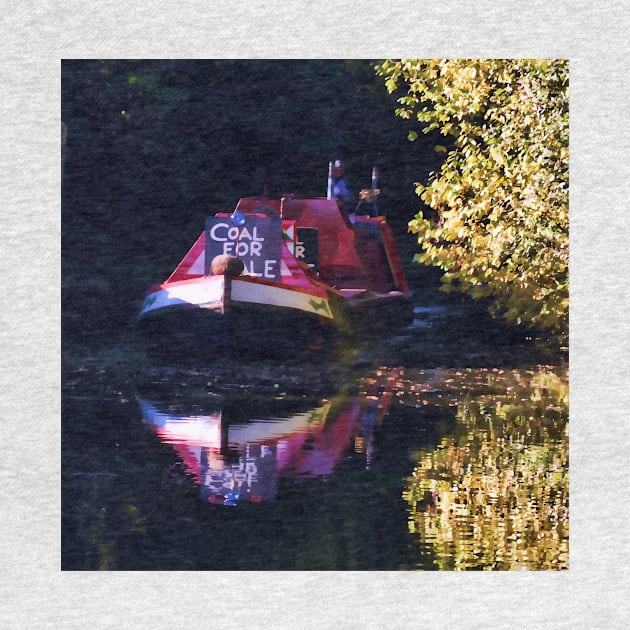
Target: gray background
34 593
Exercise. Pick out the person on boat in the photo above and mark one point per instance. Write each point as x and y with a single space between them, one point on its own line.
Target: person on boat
340 190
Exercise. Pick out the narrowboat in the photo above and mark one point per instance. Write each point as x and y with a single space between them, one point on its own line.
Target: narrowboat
277 272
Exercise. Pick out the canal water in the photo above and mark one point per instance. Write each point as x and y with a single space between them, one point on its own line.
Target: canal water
441 447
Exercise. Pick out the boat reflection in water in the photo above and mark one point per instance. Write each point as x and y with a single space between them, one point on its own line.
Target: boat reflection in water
237 455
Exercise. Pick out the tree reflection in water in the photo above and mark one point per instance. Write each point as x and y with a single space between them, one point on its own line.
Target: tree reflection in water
494 494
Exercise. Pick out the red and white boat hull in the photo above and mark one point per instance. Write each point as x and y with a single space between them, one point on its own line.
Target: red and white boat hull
349 279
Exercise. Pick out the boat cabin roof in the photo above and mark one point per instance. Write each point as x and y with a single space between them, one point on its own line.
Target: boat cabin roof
340 264
351 257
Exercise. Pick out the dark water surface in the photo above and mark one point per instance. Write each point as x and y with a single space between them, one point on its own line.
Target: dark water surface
442 447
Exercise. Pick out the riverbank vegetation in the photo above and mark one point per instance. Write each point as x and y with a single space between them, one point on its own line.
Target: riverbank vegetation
500 198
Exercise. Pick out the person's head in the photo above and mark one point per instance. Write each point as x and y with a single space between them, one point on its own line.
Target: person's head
337 169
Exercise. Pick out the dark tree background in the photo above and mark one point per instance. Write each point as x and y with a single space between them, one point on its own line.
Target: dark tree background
153 146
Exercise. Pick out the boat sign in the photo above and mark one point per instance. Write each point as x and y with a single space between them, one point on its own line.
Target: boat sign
258 243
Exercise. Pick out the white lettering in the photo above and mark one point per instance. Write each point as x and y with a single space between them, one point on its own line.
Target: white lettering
269 271
247 243
213 231
299 251
250 271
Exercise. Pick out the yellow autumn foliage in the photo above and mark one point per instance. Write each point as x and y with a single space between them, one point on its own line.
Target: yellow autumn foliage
502 193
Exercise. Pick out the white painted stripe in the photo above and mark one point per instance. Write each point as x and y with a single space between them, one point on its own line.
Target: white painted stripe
278 296
208 293
205 293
